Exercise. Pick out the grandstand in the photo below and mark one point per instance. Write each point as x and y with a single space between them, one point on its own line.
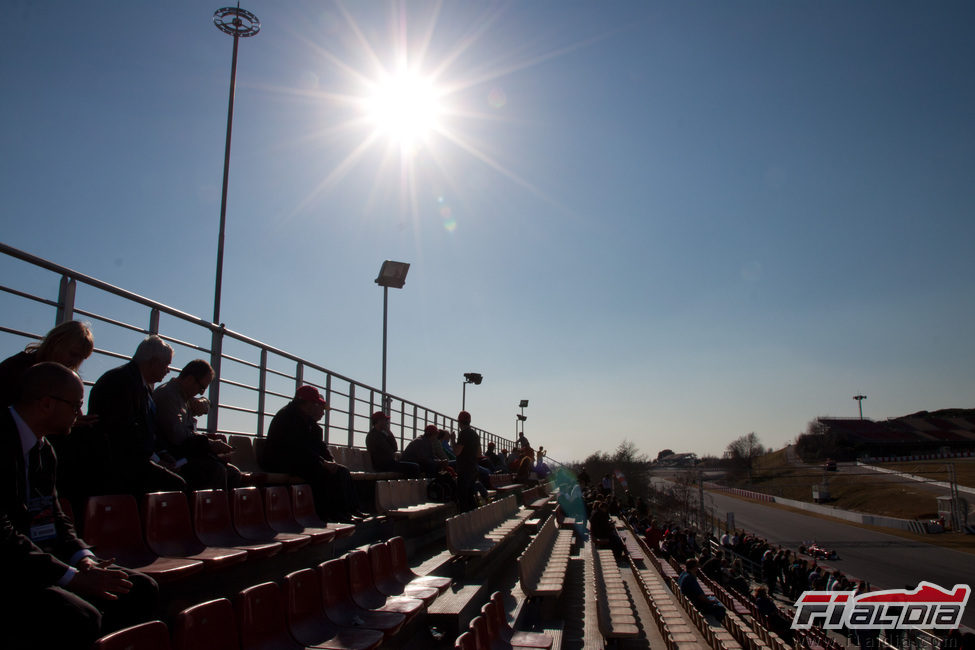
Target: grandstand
256 568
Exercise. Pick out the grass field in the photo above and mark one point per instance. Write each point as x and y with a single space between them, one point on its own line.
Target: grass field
859 489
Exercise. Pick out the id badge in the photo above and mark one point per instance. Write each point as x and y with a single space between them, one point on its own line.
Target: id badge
42 526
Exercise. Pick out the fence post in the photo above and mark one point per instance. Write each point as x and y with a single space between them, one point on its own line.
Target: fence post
154 321
261 393
216 354
66 292
351 413
328 400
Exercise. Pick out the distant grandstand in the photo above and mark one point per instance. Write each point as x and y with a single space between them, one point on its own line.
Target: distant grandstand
946 431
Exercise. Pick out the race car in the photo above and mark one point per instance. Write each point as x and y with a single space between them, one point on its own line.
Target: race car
819 552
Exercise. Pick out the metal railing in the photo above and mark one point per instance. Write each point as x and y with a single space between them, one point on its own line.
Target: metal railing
253 379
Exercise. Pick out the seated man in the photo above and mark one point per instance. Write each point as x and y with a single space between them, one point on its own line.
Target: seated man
496 461
296 445
690 587
420 451
122 400
382 448
61 595
197 456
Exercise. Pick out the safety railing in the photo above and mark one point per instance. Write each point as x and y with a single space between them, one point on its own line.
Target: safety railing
253 379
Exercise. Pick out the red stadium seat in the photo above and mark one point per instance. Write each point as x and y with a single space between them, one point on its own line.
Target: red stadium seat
113 527
307 621
303 509
498 627
465 642
277 509
146 636
403 572
387 584
260 619
211 520
169 532
207 626
248 511
342 610
365 594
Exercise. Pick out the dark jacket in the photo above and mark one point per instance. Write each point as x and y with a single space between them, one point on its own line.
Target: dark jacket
382 449
24 564
294 442
121 401
11 370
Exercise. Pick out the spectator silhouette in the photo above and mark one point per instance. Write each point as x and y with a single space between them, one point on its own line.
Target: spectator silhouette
60 594
69 344
381 444
198 456
296 445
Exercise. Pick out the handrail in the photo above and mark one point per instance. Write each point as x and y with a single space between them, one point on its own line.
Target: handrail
411 415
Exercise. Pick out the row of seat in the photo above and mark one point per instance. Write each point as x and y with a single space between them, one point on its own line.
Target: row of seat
503 483
614 606
353 602
662 605
543 564
479 531
536 497
407 498
171 541
490 631
247 451
673 625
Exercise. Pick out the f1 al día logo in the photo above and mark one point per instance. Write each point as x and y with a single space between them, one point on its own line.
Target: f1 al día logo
927 607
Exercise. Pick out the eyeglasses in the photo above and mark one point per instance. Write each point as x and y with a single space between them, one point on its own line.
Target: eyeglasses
77 406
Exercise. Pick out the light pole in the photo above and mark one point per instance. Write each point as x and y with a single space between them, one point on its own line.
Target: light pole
239 23
519 418
469 378
859 399
523 404
391 274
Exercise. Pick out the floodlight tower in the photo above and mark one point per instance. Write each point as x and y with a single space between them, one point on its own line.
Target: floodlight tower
239 23
859 399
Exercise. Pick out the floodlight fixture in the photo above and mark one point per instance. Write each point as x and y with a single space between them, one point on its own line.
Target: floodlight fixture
523 403
522 417
393 274
473 378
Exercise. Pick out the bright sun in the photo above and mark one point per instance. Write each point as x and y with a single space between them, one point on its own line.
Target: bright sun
405 107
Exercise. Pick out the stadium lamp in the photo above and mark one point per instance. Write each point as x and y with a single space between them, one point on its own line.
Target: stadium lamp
469 378
392 274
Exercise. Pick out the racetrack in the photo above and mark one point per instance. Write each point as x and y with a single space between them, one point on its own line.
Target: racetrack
885 561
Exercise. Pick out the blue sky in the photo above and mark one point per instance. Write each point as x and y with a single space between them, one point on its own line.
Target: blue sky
668 222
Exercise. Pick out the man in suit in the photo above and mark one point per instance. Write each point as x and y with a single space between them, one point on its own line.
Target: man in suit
122 400
296 445
60 594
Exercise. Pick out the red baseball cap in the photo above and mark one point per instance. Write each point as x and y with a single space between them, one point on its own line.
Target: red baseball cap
379 415
310 394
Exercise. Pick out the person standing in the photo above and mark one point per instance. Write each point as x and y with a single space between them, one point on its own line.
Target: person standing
60 594
468 451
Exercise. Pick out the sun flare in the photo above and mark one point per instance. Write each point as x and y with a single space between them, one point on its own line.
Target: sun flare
405 107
